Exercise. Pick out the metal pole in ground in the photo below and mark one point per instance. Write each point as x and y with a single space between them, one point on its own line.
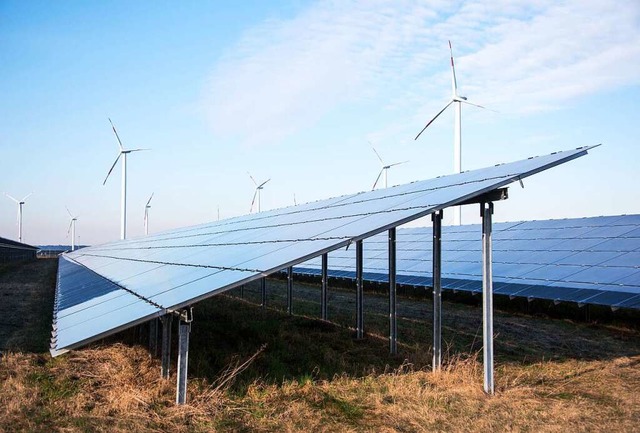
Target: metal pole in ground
263 289
436 217
242 291
166 344
393 323
153 337
359 292
184 329
290 290
325 286
487 297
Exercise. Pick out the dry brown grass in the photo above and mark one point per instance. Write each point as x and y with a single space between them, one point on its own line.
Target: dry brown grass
117 389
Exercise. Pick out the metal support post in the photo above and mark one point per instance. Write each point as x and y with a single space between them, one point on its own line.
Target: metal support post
186 317
359 292
325 286
242 291
289 290
487 297
263 289
436 217
166 344
153 337
393 324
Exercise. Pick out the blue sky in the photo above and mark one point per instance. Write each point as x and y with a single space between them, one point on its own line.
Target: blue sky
294 91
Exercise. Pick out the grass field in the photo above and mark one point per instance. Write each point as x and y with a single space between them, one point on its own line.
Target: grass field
261 370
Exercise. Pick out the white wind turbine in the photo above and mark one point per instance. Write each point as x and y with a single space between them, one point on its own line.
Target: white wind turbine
457 130
256 194
123 202
20 203
146 215
72 229
385 169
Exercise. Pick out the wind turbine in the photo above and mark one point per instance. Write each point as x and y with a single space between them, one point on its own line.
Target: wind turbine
457 129
385 169
123 202
19 203
256 194
146 215
72 229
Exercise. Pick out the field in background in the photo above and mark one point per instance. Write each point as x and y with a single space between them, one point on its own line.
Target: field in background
261 370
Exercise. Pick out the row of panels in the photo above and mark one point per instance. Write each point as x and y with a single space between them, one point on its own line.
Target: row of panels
533 259
174 269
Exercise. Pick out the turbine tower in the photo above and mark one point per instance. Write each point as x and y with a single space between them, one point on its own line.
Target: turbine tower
385 169
256 194
72 229
122 152
20 203
146 215
457 128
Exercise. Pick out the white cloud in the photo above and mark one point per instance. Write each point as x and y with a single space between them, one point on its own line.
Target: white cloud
284 75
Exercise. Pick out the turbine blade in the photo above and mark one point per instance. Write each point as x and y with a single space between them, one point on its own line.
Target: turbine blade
377 154
27 196
263 183
377 179
117 136
136 150
434 118
149 201
69 212
255 194
111 169
479 106
252 179
454 83
398 163
69 229
11 197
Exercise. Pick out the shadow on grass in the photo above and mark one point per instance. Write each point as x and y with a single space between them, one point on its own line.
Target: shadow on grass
27 291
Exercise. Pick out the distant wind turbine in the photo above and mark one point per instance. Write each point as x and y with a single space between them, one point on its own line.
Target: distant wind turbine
146 215
19 203
72 229
385 169
123 202
457 130
256 194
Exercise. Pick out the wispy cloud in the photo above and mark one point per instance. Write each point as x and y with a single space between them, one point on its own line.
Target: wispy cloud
517 56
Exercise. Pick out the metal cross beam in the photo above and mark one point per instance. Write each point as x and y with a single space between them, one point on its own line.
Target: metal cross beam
491 196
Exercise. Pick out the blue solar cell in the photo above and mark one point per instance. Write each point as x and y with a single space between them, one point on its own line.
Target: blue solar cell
588 258
617 244
601 275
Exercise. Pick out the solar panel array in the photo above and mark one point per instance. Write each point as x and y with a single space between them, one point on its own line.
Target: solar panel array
584 260
129 281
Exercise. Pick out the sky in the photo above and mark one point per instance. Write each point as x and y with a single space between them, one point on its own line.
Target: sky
298 92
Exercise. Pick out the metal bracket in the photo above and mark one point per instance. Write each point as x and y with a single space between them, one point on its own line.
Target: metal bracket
186 315
493 195
482 207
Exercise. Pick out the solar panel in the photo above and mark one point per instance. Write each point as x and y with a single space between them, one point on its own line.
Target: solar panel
584 260
177 268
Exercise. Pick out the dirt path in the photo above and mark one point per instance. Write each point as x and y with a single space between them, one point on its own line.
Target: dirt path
26 305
